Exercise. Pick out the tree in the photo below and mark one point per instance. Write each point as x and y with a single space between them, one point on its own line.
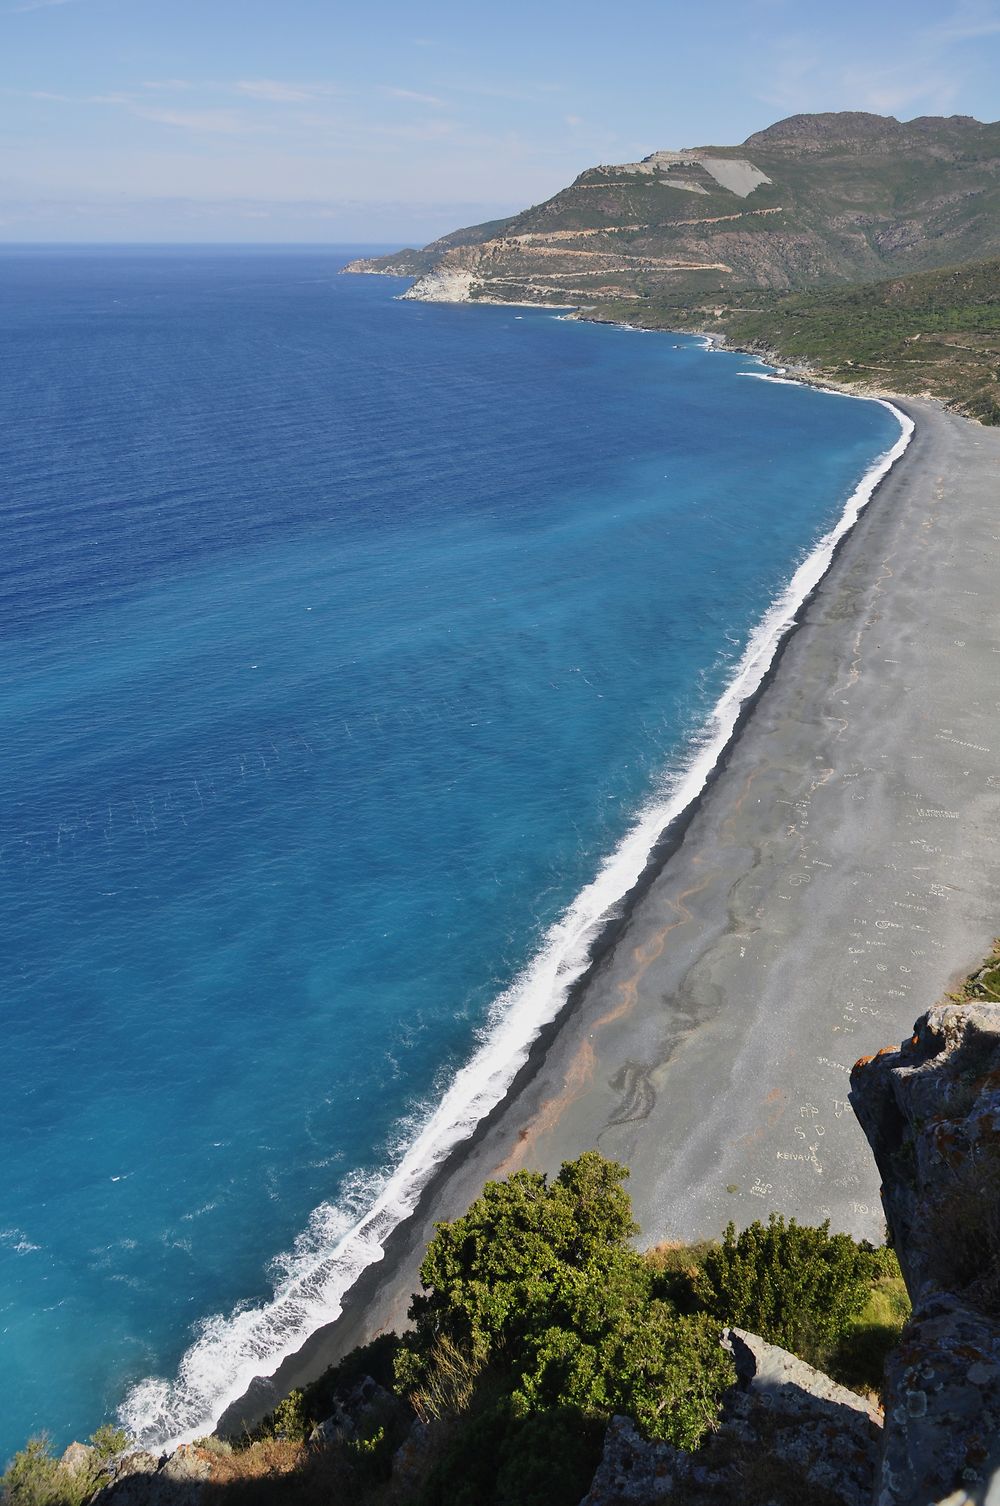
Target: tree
538 1284
489 1275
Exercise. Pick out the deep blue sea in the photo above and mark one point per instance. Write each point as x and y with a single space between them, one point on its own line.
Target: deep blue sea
343 641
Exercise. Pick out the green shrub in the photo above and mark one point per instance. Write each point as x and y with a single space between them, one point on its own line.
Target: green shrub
538 1285
34 1477
290 1420
795 1285
666 1372
859 1358
491 1277
109 1441
497 1459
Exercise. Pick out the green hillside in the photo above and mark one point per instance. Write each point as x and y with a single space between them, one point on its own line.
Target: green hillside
931 332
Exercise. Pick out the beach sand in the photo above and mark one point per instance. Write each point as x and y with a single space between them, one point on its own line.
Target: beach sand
840 872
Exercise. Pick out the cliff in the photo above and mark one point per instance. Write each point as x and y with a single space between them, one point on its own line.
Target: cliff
931 1112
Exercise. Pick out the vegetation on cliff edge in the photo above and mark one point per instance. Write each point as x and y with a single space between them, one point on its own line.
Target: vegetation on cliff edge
537 1321
934 333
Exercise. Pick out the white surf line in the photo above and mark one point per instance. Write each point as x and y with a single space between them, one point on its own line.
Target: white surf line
327 1259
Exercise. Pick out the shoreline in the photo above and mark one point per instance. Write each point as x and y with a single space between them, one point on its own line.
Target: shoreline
526 1021
759 666
633 1059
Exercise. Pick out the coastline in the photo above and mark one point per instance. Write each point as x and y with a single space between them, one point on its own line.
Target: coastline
525 1020
717 1067
380 1296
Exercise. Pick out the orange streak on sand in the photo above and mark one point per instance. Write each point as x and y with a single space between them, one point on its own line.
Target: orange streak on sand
581 1069
776 1098
644 956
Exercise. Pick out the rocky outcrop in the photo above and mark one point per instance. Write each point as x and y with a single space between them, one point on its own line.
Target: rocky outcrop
782 1420
931 1112
407 263
79 1458
142 1479
351 1412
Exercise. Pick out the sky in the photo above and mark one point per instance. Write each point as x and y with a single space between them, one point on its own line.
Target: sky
391 123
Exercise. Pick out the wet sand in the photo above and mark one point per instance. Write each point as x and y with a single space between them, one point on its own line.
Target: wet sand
836 877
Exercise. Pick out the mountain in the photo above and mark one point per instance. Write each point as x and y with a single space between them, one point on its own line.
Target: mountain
812 200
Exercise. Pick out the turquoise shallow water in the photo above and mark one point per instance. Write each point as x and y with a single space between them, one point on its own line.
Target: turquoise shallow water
342 641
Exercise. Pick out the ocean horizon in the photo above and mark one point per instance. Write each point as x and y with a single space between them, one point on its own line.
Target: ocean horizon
355 653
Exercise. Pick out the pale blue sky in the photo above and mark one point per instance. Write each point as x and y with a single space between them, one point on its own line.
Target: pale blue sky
313 120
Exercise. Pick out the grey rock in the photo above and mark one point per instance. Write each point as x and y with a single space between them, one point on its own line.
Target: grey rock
78 1456
138 1463
782 1416
775 1379
140 1479
186 1463
351 1412
942 1406
634 1471
411 1458
931 1112
821 1433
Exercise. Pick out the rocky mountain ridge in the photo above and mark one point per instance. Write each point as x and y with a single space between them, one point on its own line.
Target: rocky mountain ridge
811 200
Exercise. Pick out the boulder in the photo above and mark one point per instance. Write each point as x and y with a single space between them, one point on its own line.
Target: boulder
411 1458
186 1463
634 1472
814 1429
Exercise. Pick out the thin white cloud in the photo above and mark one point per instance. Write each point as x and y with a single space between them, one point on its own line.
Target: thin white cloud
967 23
217 122
413 97
169 85
278 92
27 5
920 77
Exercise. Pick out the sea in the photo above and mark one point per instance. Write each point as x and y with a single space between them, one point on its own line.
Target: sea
353 652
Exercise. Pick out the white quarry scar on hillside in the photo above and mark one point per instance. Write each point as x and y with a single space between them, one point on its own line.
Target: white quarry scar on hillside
734 173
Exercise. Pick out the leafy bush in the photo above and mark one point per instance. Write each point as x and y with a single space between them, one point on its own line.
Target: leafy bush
109 1441
34 1477
794 1285
491 1277
497 1459
665 1371
290 1419
538 1281
859 1358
